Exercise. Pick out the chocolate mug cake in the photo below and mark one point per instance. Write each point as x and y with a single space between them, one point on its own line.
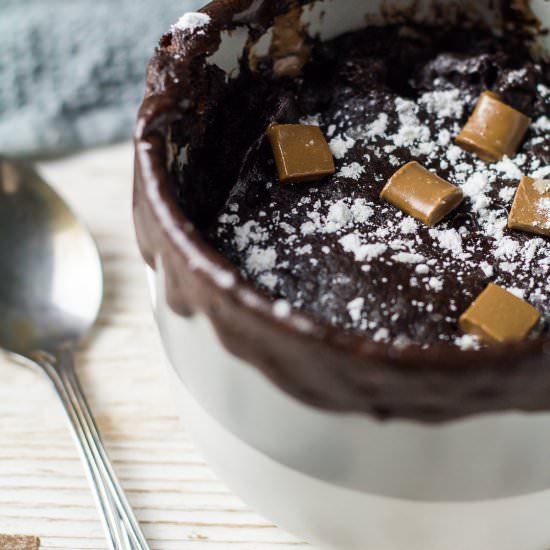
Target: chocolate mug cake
378 284
392 102
344 208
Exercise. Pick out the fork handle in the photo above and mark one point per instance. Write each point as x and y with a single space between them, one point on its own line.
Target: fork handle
121 527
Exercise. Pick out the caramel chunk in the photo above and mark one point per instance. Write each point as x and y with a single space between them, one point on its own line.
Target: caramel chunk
421 193
494 129
498 316
301 152
289 47
531 209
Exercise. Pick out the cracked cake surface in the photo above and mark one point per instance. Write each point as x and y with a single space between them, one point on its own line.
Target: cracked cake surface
332 248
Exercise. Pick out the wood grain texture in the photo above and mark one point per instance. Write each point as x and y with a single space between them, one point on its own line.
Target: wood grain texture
43 490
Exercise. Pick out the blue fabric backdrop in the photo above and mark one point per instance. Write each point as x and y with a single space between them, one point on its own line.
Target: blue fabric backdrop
72 71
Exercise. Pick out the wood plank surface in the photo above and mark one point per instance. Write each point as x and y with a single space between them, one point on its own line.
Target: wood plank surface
43 491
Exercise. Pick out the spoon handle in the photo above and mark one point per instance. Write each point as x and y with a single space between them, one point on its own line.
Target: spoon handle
122 529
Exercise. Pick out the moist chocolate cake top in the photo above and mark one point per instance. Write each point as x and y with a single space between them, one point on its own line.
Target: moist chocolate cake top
333 249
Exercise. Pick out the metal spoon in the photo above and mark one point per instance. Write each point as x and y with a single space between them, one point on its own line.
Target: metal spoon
51 289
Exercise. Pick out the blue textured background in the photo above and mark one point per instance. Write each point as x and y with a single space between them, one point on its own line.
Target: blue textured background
72 71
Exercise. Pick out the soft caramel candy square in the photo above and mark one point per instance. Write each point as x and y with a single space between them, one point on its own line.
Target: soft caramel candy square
531 208
494 129
301 152
421 193
497 316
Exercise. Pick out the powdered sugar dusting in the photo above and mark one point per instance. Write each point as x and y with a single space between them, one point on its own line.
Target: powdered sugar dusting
355 309
353 171
408 258
543 206
260 259
192 22
340 145
468 342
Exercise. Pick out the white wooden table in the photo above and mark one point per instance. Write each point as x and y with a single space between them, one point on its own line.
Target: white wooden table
43 491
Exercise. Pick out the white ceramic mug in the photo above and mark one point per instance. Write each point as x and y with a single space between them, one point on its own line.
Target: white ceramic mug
347 481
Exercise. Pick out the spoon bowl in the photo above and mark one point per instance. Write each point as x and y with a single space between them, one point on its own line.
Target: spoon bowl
52 280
